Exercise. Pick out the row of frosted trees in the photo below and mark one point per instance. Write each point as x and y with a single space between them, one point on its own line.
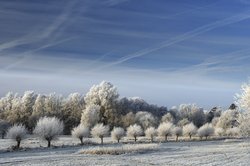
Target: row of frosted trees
101 105
49 128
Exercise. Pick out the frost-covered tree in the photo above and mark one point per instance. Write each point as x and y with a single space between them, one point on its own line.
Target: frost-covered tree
17 133
80 132
243 101
72 110
117 133
145 119
13 115
168 117
25 111
235 131
183 122
228 119
189 130
90 115
100 131
165 130
219 131
151 133
106 96
134 131
177 131
49 128
193 113
53 105
128 119
38 107
215 112
6 103
205 131
4 126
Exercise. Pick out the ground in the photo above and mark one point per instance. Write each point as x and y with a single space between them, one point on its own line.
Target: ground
219 152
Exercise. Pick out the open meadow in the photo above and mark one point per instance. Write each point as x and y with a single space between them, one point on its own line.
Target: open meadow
211 152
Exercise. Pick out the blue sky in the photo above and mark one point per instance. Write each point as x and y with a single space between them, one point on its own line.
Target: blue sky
167 52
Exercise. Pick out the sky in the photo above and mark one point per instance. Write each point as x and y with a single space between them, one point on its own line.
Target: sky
167 52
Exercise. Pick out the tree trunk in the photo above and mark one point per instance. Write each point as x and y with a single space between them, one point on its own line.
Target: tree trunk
102 140
190 136
3 135
176 138
152 139
18 144
118 140
81 141
166 137
135 139
206 137
49 143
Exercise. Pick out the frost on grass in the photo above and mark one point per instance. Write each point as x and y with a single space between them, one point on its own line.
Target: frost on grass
49 128
17 133
80 132
117 133
100 131
118 150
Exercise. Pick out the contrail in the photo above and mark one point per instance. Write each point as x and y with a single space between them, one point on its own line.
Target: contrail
180 38
27 54
30 38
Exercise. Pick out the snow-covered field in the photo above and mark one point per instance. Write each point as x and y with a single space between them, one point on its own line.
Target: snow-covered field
221 152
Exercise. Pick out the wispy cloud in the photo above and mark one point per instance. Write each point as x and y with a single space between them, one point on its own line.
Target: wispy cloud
27 54
48 31
185 36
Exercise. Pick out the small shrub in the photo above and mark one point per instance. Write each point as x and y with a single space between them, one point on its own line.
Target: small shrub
118 150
